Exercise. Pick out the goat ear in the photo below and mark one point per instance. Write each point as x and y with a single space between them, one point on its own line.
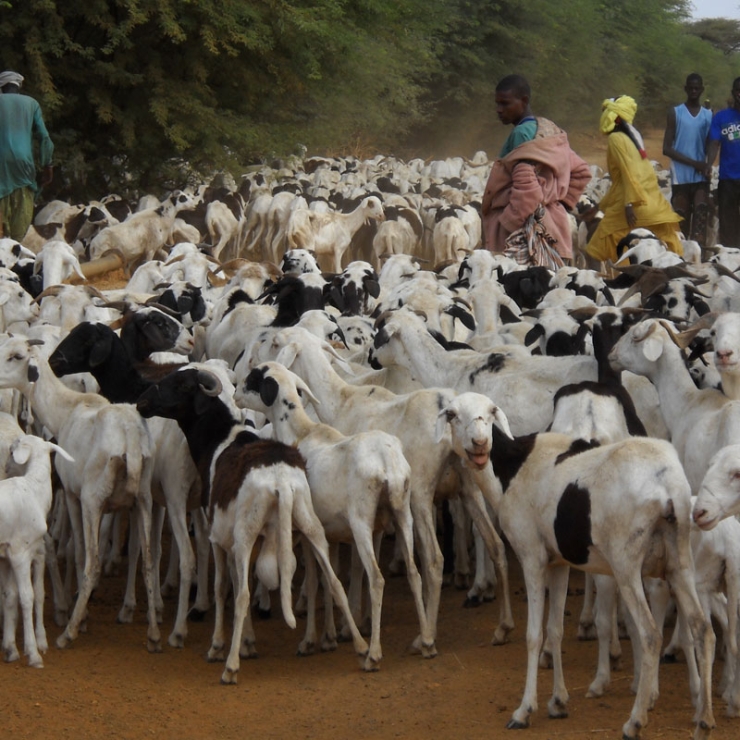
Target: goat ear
372 286
534 334
269 391
652 347
287 355
305 391
499 417
101 350
444 417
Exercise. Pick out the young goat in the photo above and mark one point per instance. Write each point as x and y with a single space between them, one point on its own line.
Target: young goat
25 501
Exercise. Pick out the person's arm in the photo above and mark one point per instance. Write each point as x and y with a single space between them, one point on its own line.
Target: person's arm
526 195
580 177
669 138
714 141
46 149
712 149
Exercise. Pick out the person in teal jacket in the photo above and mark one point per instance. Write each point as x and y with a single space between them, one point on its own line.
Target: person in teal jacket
20 122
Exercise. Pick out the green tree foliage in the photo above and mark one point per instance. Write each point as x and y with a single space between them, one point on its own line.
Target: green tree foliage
132 89
139 95
721 33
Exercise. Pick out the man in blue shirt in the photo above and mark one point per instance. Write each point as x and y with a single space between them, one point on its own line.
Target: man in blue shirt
20 122
685 142
724 137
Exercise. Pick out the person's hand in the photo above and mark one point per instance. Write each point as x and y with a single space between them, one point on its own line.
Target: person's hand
629 213
706 170
47 175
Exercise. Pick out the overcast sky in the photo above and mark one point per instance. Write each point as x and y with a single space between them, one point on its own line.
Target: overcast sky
716 8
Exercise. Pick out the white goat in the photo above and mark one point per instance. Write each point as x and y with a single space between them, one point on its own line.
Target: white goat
25 502
700 421
58 262
522 386
330 234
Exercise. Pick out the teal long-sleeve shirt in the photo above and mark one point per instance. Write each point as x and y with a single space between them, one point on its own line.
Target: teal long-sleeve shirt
20 121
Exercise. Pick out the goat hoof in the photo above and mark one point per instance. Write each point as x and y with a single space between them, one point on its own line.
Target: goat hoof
668 658
586 632
126 615
461 581
328 644
428 650
196 615
596 689
557 709
11 655
228 678
370 665
153 646
631 731
35 662
176 640
515 724
471 602
63 641
501 635
248 650
545 660
215 654
306 648
60 617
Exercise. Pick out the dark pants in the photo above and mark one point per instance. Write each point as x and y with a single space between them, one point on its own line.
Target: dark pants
691 201
728 207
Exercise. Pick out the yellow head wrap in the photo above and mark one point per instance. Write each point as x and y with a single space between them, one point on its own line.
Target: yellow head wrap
623 107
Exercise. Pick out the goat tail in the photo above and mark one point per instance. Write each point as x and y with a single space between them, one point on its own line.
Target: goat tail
286 558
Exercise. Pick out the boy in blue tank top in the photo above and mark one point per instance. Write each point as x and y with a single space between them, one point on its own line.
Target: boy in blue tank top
724 137
685 143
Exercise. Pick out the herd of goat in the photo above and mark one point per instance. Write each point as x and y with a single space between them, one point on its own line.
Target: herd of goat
281 362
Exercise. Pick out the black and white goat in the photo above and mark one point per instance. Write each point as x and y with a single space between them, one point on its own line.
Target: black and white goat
252 488
622 509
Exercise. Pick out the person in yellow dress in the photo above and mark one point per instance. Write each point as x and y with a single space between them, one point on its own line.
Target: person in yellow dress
634 198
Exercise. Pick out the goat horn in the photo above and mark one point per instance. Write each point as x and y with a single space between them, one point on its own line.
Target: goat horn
725 272
209 383
51 290
461 300
705 322
93 292
650 330
164 309
680 340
